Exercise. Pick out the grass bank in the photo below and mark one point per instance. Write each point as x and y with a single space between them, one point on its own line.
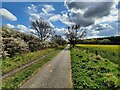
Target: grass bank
110 52
15 81
19 78
17 61
90 71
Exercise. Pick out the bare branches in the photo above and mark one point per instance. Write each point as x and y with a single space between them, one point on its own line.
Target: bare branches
42 29
74 33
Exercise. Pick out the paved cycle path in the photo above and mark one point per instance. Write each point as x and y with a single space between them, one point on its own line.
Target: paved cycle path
55 74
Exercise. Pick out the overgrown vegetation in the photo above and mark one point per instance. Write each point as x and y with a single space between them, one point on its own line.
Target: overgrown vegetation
15 42
91 71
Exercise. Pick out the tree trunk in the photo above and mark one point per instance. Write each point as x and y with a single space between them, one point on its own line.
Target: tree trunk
73 45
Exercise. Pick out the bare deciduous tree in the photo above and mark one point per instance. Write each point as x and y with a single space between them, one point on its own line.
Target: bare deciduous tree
42 29
74 33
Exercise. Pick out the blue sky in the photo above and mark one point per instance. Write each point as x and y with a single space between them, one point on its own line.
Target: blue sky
20 10
99 19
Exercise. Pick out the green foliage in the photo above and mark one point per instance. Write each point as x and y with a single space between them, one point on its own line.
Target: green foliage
93 72
114 40
17 61
58 40
15 42
14 46
93 41
105 41
110 52
19 78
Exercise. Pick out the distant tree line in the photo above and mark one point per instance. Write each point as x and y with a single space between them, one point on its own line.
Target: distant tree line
114 40
57 39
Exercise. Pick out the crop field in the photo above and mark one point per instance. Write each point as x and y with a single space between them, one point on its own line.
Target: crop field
95 71
110 52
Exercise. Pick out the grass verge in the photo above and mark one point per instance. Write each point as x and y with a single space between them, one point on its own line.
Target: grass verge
19 78
93 72
8 64
110 52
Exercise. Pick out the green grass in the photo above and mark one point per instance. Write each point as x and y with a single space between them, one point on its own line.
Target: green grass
19 78
93 72
110 52
9 64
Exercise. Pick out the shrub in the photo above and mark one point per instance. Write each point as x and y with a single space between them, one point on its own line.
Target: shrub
14 46
15 42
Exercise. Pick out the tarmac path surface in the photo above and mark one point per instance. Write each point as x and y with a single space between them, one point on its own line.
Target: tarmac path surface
55 74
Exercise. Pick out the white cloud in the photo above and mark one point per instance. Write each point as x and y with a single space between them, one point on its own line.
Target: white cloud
74 10
66 20
99 27
10 26
119 14
47 8
107 25
95 33
32 9
112 17
50 24
55 18
7 14
34 16
32 31
22 28
63 18
45 16
59 29
37 14
90 12
106 19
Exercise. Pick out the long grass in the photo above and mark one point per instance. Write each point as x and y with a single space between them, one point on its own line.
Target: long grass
92 72
19 78
9 64
110 52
